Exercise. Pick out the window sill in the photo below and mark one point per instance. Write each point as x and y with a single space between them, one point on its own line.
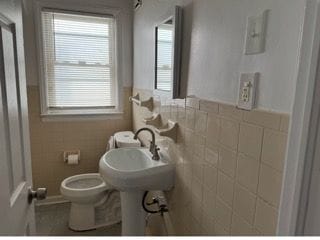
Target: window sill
84 116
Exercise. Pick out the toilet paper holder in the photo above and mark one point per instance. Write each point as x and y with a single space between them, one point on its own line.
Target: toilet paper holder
66 155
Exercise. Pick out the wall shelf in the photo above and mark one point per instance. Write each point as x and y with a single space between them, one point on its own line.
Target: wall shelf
135 98
146 103
154 120
168 130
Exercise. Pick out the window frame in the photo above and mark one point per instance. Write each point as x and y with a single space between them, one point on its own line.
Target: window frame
85 9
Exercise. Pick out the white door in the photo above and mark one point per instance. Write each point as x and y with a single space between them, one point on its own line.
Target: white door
16 212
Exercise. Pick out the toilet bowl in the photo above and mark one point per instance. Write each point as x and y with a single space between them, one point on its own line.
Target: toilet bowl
94 203
84 189
84 192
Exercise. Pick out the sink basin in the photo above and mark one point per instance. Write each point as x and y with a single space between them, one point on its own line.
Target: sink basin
130 169
133 171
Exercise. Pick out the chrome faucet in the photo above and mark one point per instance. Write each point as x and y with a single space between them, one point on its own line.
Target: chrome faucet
153 147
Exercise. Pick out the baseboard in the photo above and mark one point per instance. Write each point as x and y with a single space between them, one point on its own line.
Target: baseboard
51 200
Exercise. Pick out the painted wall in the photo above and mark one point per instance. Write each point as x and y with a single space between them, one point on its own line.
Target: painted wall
126 31
213 45
50 139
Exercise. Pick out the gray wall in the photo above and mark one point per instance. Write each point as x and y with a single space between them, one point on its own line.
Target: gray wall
213 46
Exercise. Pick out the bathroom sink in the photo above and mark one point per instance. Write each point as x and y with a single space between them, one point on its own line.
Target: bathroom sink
133 169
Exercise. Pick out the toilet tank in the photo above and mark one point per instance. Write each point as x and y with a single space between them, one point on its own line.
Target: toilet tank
125 139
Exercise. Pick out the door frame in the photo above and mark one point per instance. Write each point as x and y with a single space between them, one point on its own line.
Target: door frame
17 204
304 120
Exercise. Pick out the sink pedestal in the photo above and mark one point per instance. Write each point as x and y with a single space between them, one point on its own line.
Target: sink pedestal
133 215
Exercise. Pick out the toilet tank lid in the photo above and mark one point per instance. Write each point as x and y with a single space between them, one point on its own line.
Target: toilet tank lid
125 139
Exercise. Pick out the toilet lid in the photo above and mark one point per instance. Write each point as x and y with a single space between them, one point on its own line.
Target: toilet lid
84 183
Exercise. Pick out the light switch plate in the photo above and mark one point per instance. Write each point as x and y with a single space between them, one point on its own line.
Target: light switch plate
247 90
256 33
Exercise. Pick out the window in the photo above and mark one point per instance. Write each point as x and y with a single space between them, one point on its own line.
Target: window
164 62
79 63
164 68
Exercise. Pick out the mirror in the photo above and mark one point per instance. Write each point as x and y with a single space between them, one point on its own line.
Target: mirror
168 54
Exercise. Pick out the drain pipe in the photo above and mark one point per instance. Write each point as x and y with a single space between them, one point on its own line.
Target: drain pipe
159 200
162 211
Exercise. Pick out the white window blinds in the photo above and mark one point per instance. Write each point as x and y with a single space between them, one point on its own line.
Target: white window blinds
79 60
164 57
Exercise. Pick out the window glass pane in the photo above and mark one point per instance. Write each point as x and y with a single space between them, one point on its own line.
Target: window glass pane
165 54
79 60
75 49
81 25
164 79
164 57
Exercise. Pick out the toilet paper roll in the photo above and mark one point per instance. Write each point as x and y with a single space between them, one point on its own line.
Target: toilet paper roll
111 143
73 159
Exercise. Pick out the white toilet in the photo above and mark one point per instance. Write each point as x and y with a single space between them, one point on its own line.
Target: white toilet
94 203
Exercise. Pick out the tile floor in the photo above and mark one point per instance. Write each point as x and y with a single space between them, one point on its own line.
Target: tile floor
52 220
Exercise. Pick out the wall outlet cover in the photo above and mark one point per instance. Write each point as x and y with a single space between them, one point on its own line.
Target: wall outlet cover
247 90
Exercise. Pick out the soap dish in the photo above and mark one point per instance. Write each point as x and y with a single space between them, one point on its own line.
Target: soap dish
147 103
168 130
154 120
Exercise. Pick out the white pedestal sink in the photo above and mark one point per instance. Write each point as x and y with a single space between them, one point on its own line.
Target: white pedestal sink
133 171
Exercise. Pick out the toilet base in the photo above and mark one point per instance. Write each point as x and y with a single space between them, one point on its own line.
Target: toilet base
94 203
82 218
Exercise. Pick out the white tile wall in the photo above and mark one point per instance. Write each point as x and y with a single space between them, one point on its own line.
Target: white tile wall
231 163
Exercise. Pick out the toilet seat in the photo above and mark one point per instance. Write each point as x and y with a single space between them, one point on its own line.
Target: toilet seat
84 185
